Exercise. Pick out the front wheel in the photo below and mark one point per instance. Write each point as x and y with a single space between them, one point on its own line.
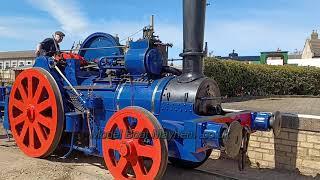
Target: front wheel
139 157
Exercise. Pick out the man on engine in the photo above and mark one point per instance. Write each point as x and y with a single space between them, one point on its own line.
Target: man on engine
50 46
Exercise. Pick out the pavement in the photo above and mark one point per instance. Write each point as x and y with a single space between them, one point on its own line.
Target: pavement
307 106
15 165
297 113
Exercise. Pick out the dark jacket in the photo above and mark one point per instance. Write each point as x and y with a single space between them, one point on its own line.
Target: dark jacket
48 48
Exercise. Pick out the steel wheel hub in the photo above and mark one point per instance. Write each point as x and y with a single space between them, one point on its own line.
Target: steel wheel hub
126 149
31 113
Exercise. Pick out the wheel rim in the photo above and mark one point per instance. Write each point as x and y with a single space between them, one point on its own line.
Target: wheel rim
129 157
36 112
232 141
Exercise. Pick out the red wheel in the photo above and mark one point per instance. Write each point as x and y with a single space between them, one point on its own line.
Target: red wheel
137 155
36 112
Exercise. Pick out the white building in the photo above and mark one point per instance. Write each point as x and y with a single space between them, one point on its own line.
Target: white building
312 47
310 55
14 59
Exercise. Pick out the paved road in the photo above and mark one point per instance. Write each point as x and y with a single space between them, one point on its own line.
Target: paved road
309 106
15 165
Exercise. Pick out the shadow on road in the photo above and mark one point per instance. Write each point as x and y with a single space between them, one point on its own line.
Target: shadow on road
212 169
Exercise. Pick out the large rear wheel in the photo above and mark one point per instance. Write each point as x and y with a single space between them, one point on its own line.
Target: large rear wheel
36 112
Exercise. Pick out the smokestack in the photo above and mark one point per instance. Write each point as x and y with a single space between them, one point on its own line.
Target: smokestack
193 37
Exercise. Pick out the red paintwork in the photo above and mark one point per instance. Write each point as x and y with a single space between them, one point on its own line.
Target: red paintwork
131 150
243 117
63 56
32 128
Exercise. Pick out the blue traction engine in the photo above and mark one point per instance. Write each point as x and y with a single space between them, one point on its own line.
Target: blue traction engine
123 103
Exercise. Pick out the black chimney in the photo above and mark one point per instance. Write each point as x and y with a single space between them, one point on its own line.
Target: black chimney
193 37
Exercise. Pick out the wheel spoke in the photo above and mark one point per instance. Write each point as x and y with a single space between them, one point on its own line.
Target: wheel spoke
30 88
44 105
23 93
31 137
123 124
144 150
124 128
45 121
24 131
139 128
21 118
39 133
122 164
19 104
37 93
139 169
113 144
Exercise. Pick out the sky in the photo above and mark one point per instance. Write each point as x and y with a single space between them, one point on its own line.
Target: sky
248 26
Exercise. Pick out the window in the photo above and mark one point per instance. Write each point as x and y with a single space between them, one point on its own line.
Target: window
14 64
21 64
29 62
1 65
7 65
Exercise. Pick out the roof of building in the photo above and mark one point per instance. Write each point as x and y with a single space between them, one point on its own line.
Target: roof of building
274 52
243 58
315 47
295 56
17 54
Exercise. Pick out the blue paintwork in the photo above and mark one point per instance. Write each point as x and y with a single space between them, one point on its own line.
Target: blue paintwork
154 61
135 57
2 93
6 123
2 100
5 91
261 121
141 58
136 83
145 93
97 40
212 135
73 121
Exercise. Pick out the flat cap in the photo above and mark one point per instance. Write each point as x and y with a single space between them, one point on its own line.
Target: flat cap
59 33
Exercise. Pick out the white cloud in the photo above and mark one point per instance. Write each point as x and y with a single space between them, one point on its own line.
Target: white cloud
67 13
246 36
22 28
78 27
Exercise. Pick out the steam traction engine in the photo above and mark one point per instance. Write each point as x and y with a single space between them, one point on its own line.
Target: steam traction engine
128 106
